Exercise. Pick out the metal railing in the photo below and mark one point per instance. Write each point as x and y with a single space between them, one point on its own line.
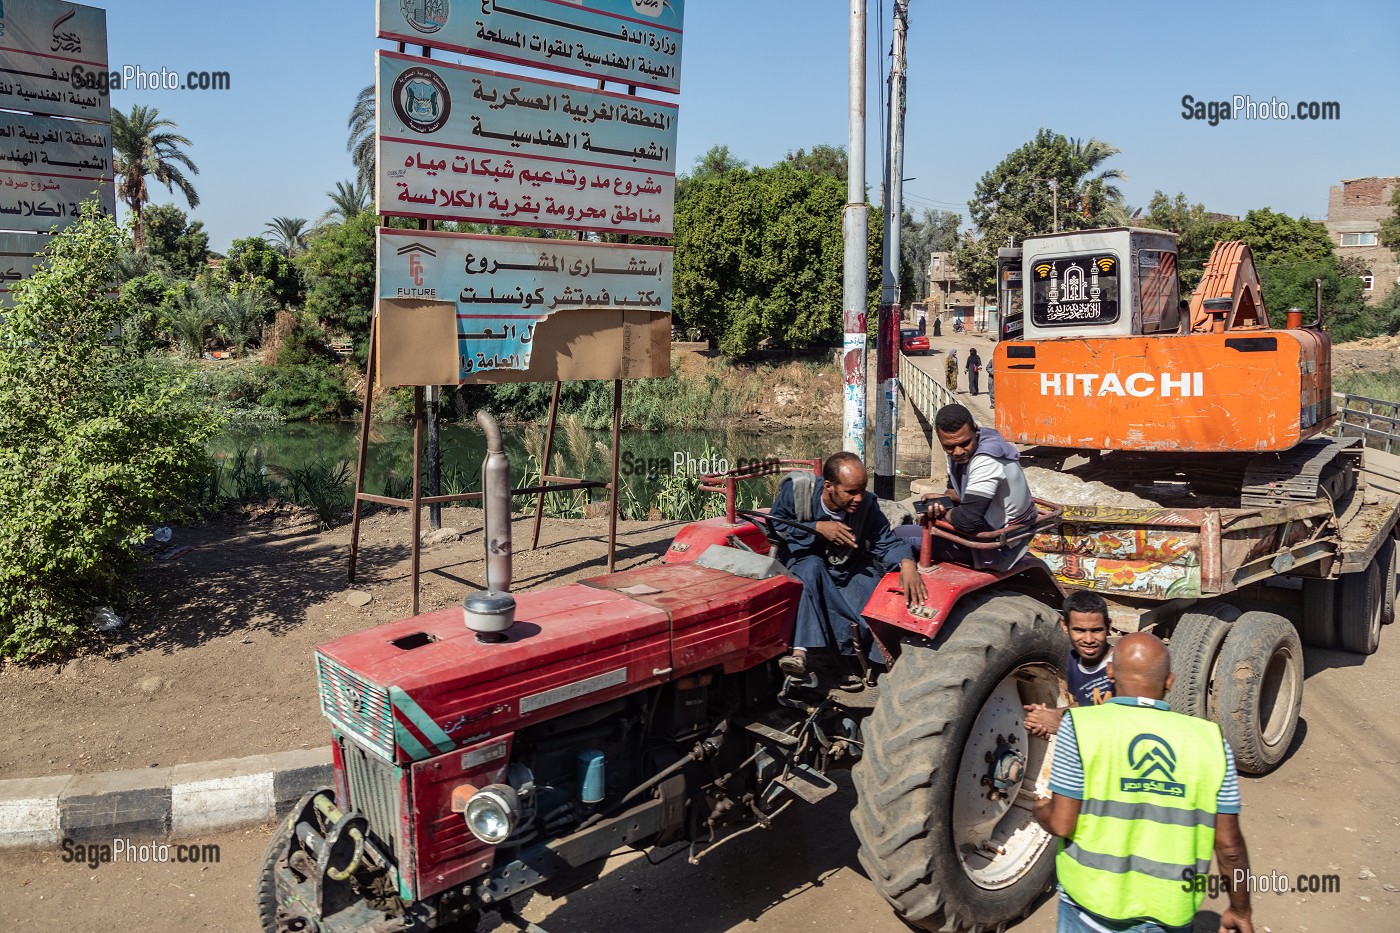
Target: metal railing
1375 419
923 390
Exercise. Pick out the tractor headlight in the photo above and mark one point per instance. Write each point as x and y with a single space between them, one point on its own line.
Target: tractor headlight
493 813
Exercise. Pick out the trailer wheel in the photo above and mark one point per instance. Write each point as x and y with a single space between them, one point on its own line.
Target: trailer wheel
1362 610
1319 624
938 840
1386 559
1259 689
1195 645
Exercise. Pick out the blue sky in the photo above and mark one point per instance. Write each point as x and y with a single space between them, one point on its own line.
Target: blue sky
768 76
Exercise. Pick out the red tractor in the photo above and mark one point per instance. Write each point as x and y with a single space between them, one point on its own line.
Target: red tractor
476 762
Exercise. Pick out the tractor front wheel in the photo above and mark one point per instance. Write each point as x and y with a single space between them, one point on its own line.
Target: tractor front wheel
949 775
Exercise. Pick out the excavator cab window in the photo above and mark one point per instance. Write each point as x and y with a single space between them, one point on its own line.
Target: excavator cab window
1158 291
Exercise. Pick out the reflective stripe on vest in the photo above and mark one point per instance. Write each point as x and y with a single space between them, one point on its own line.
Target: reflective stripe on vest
1147 823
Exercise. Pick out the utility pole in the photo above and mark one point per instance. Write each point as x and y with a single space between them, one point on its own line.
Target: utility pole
887 333
856 230
1055 204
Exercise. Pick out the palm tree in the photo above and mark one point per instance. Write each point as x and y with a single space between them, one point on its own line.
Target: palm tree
1093 154
290 233
143 148
349 199
360 144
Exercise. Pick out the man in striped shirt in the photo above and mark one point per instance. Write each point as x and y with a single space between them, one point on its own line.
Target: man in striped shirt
1142 796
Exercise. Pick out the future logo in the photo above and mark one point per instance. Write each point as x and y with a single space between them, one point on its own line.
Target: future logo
426 16
1155 764
421 100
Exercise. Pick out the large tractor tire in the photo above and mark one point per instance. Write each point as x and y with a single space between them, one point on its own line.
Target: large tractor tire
949 847
1259 689
268 900
1195 645
1361 610
1319 623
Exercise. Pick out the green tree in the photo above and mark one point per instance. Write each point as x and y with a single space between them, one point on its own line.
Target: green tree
1390 227
935 232
339 271
759 255
172 237
253 263
349 199
1048 179
360 143
824 159
1193 226
96 444
143 148
1291 254
289 233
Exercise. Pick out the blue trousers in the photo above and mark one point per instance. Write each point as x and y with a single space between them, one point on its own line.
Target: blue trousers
827 608
1071 920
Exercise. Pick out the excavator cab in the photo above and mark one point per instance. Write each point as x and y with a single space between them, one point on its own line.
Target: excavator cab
1106 355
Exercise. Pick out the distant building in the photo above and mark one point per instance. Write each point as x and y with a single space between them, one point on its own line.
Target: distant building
945 293
1355 209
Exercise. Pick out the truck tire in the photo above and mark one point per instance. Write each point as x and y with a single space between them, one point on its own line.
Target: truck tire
925 820
1386 559
1319 623
1195 645
1259 689
1360 610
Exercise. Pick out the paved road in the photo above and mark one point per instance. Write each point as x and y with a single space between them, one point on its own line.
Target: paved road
1324 811
980 405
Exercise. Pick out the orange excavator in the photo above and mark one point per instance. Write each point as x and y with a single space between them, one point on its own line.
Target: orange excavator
1230 518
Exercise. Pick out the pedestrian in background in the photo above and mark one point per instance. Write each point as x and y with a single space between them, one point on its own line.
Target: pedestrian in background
1141 796
974 370
950 371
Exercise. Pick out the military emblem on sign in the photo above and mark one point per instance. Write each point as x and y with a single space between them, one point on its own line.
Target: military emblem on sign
421 100
426 16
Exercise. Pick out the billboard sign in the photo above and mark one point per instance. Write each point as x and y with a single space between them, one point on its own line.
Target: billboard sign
17 261
42 201
635 42
30 143
460 143
507 288
43 43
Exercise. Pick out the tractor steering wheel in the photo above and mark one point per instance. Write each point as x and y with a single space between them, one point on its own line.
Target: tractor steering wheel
836 556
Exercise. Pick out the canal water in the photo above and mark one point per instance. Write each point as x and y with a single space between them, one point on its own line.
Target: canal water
647 458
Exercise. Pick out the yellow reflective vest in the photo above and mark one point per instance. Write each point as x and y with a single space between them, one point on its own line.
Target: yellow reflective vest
1146 825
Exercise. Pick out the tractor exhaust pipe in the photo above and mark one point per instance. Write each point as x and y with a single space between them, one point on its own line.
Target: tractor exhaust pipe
492 613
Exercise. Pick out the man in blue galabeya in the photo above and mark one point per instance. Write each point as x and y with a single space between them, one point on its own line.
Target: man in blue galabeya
1141 797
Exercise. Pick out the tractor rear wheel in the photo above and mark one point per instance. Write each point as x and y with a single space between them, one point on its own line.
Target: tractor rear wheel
1361 610
1259 689
949 775
1195 645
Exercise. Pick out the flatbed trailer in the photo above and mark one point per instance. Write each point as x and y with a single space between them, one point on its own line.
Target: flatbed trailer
1238 588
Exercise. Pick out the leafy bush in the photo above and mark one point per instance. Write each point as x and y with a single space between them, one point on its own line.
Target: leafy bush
325 486
308 393
96 445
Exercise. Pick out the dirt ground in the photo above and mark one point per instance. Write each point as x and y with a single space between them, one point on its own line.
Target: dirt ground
1377 354
216 660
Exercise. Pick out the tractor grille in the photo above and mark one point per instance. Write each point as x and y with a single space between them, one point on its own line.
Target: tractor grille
356 705
374 791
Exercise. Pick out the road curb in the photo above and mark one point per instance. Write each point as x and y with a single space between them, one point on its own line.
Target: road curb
178 801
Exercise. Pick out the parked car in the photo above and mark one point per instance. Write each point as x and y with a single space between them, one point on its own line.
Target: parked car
913 343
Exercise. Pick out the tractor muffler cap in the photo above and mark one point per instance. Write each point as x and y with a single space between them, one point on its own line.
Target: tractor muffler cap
489 614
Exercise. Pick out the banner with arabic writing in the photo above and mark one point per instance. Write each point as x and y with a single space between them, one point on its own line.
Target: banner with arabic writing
30 143
507 287
459 143
636 42
17 261
42 44
43 201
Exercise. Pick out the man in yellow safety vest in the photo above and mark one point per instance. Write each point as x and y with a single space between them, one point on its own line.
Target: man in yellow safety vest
1142 796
